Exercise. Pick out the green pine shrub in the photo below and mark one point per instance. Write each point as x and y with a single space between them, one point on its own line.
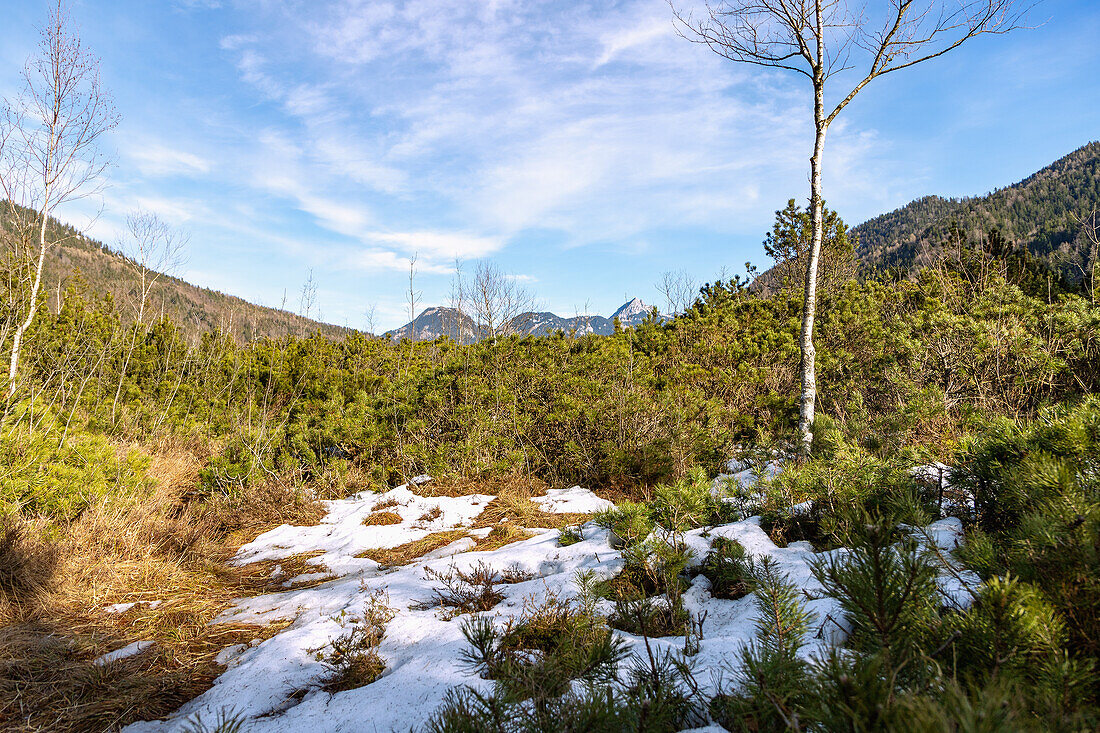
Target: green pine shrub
841 492
1009 629
570 535
648 591
1036 492
629 523
682 505
537 656
887 590
770 688
46 477
729 569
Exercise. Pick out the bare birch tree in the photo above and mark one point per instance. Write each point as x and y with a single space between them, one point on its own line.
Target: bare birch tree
824 39
1088 256
49 148
496 300
413 297
153 250
679 289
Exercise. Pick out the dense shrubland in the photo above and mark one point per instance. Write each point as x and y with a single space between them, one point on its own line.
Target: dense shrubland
1021 656
907 366
965 363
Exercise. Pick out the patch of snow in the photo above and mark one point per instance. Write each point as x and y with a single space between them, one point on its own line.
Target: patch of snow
940 539
745 475
130 650
341 535
573 500
276 685
120 607
932 473
124 607
228 656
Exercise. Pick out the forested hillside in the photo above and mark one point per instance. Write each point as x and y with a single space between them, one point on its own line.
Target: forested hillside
195 310
1041 213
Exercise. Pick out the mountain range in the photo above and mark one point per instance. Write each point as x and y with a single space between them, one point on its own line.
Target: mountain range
435 322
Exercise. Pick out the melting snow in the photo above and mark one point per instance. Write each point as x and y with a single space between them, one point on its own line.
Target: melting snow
572 500
276 685
130 650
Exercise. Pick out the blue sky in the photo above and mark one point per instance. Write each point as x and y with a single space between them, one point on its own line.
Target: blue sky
581 146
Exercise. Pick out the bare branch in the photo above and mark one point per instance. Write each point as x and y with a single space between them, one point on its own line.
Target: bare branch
496 300
49 151
153 249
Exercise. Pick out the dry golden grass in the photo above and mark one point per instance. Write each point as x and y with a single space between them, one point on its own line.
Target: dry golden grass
503 534
49 682
358 671
27 563
516 507
170 546
512 503
494 485
431 515
381 518
406 553
260 577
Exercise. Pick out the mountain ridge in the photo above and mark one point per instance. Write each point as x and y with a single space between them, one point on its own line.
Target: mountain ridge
1037 213
438 321
193 308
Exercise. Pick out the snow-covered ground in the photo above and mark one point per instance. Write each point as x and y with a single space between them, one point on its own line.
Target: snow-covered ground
276 684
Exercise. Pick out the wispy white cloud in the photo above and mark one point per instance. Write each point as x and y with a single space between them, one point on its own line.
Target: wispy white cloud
443 246
156 159
197 4
514 116
375 259
620 40
173 210
388 130
237 40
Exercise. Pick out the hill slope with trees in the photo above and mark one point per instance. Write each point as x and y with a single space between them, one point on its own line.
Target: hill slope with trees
1041 213
194 310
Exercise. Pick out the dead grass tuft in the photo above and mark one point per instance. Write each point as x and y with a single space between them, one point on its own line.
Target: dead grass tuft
386 504
48 680
493 485
501 535
271 576
27 561
261 506
406 553
464 591
381 518
513 503
353 656
431 515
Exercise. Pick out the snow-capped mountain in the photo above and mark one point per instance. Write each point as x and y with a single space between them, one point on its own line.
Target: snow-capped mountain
632 312
436 322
